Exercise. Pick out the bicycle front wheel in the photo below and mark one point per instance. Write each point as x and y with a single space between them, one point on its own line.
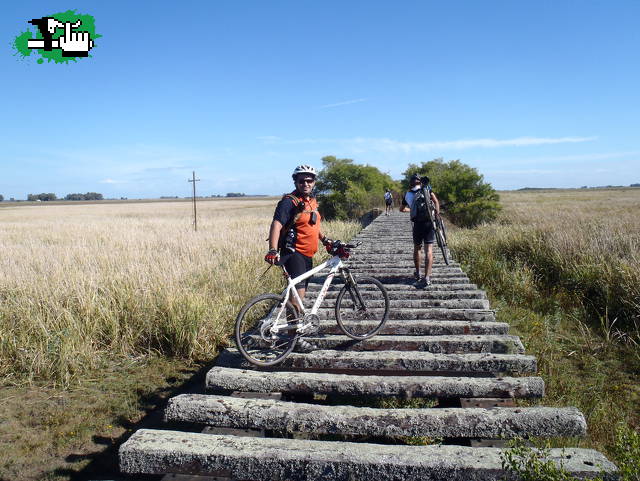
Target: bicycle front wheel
362 308
254 338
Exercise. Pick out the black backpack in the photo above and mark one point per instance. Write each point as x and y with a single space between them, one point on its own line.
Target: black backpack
420 206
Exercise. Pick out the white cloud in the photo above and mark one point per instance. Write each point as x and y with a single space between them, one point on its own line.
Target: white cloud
346 102
523 172
579 157
367 144
390 145
269 138
111 181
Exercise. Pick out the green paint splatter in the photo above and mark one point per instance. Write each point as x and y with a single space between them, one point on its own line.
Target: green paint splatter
55 55
20 44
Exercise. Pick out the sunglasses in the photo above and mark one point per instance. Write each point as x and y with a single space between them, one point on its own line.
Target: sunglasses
306 181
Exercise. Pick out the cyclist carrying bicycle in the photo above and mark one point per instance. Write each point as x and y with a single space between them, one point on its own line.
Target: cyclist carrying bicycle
422 231
295 232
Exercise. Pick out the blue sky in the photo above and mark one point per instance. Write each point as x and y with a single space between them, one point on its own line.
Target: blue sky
531 93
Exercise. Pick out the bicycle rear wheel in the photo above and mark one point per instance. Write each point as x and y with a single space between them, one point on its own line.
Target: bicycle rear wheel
362 307
443 229
441 238
253 336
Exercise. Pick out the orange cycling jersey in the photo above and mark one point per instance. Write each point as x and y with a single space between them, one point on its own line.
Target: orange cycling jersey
303 230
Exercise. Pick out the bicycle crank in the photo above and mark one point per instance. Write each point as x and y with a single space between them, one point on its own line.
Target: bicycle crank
310 325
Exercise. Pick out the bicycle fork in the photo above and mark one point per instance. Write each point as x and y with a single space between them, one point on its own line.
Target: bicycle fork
352 286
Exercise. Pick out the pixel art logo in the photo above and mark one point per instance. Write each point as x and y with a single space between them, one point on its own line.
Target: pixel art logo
60 37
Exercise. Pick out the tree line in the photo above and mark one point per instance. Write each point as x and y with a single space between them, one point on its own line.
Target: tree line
347 190
45 197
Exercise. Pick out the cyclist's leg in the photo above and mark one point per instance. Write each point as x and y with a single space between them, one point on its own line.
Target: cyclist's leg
416 257
417 246
429 239
296 265
428 262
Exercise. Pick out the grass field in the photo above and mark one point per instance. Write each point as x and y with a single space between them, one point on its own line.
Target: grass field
563 268
105 308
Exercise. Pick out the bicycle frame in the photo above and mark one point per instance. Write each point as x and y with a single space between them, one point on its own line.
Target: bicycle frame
335 264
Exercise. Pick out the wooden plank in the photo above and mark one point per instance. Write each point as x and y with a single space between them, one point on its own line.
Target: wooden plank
231 379
435 344
283 416
486 403
395 362
265 459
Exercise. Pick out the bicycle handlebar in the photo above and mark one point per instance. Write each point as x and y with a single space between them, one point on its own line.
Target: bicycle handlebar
336 245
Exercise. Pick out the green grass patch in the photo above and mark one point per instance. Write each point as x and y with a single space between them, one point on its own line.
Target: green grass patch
561 301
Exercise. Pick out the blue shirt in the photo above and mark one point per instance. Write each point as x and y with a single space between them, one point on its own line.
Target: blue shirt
408 198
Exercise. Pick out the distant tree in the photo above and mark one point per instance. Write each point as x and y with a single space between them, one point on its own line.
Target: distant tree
634 185
74 197
464 195
87 196
235 194
347 190
43 197
1 197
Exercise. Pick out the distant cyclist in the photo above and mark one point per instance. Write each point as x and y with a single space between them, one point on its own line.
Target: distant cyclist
422 230
295 232
388 202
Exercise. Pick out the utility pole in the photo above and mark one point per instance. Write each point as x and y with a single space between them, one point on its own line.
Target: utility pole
195 213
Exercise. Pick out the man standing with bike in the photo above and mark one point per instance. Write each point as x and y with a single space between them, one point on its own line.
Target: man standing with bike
295 232
417 201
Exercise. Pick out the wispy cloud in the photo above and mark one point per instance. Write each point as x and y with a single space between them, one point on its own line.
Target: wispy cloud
390 145
364 144
111 181
269 138
523 172
346 102
578 157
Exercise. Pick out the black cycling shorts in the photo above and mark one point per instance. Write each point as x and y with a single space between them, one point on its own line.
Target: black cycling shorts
423 232
296 265
388 201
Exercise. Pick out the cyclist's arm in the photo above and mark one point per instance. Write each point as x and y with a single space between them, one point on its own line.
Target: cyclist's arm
274 234
285 210
404 207
436 202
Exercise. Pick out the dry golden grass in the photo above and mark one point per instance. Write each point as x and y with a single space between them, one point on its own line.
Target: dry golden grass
603 224
85 283
585 243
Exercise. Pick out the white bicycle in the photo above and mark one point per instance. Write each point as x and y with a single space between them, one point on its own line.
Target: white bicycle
269 325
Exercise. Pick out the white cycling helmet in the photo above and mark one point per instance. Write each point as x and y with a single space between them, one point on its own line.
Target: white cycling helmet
304 169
